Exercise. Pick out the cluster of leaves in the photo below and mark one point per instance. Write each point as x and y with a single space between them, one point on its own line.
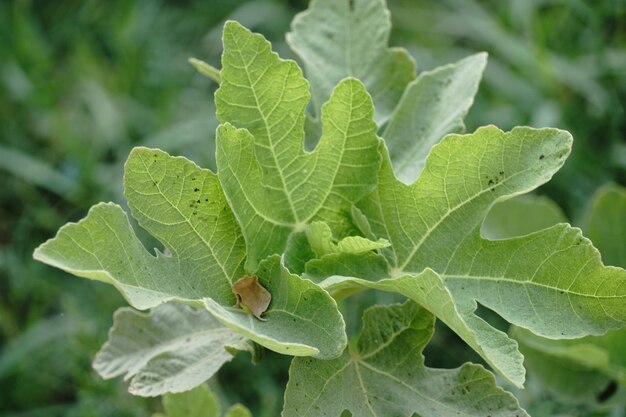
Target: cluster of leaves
400 214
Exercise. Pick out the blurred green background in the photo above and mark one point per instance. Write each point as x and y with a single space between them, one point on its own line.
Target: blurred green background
83 81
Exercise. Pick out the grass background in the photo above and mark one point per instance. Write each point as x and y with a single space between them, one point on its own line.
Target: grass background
83 81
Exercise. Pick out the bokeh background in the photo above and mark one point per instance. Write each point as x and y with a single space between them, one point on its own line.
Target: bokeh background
83 81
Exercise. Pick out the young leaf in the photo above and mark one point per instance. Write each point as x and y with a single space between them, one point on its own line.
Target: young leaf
385 376
173 348
180 204
199 402
302 318
348 38
272 184
320 238
431 107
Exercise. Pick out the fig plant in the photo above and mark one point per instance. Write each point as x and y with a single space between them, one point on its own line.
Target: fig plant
391 196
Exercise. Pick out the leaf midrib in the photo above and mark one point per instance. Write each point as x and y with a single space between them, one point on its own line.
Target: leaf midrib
267 130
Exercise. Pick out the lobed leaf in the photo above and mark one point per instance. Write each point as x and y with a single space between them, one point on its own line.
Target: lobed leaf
273 185
539 281
384 375
582 370
174 348
349 38
180 204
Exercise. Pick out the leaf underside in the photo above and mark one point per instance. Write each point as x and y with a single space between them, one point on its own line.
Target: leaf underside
174 348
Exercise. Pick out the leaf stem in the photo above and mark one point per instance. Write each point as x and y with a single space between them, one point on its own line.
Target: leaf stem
206 69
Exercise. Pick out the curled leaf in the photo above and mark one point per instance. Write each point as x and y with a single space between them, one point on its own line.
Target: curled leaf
251 295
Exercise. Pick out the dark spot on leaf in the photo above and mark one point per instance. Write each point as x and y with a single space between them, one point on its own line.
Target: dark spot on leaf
193 179
206 199
607 392
198 201
490 182
196 189
541 156
501 172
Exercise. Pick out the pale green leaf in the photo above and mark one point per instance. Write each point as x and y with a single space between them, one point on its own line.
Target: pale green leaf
520 216
384 375
606 224
183 206
429 221
322 243
431 107
551 282
273 185
594 360
302 318
349 38
103 247
180 204
173 348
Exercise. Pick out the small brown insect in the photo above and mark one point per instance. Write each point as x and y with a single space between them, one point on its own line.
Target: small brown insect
251 295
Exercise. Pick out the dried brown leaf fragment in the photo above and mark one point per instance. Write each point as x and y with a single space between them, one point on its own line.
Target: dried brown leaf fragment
251 295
